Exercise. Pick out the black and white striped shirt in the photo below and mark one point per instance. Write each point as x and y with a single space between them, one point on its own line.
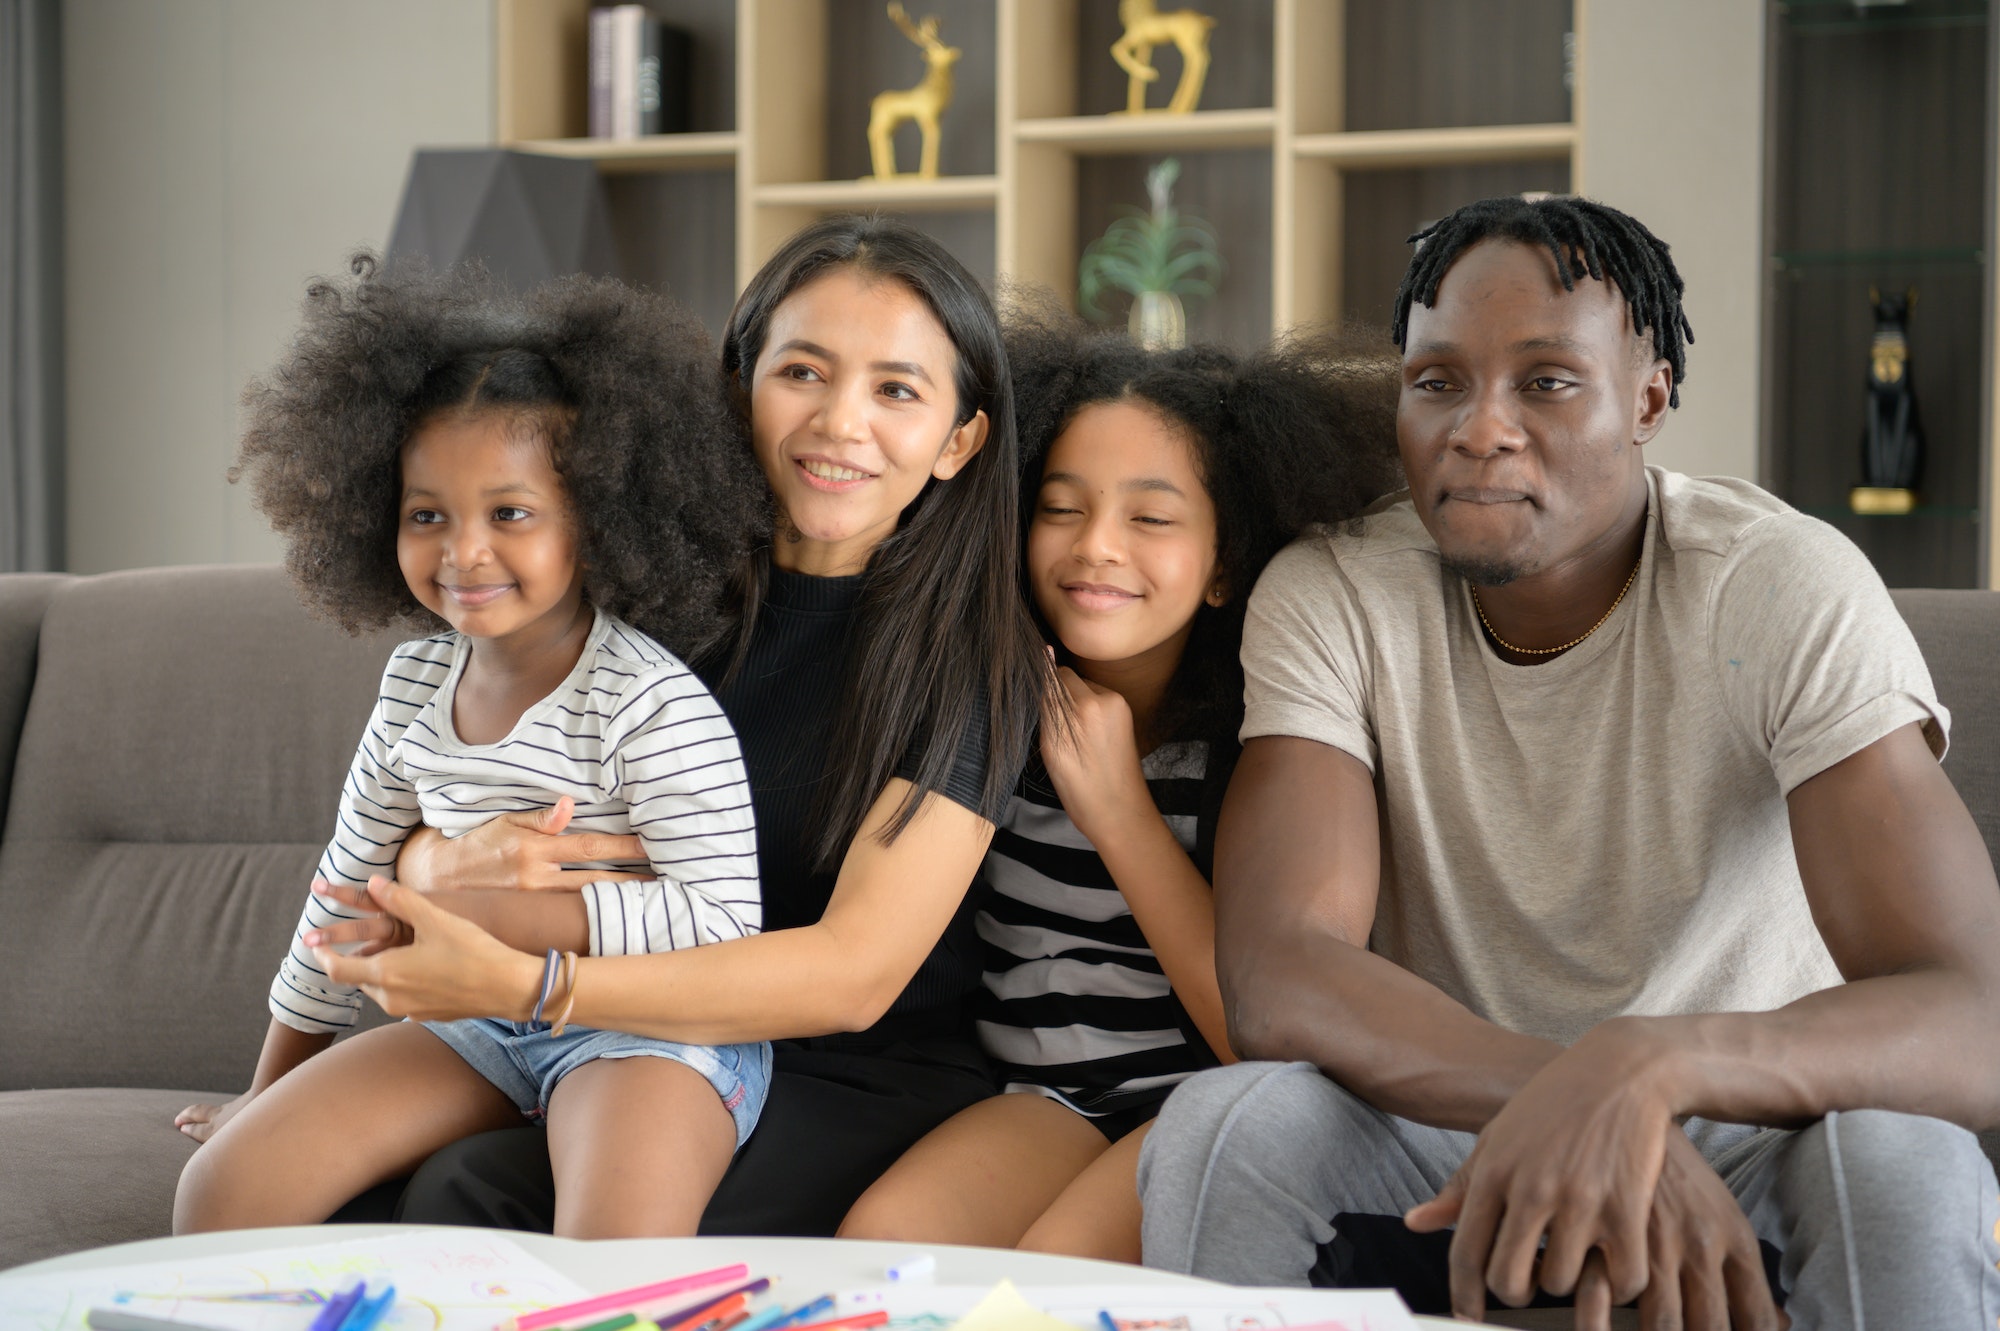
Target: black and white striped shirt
631 735
1076 1005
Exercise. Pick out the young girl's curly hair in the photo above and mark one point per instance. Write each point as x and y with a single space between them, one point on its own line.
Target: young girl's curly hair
621 386
1298 434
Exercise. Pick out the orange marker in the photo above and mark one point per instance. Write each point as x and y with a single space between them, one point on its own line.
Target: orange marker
854 1323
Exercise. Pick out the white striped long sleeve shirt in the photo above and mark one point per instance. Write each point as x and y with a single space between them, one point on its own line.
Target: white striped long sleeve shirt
631 735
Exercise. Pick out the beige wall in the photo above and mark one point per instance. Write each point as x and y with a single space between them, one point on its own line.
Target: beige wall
219 153
1673 112
222 151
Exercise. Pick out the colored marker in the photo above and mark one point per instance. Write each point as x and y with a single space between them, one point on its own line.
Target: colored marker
335 1312
117 1319
370 1311
765 1320
624 1299
711 1309
916 1270
854 1323
1105 1321
806 1312
618 1323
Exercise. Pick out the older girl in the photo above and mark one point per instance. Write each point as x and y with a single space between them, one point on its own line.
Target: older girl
1158 487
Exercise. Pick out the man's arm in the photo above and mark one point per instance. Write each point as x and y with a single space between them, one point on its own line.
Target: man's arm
1904 895
1297 869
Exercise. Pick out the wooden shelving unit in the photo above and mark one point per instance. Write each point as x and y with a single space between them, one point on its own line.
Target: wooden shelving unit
1882 159
1305 185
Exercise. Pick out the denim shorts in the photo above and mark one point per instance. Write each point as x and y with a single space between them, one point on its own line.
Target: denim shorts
526 1062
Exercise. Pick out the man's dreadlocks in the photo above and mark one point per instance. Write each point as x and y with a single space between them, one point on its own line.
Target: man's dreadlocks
1585 238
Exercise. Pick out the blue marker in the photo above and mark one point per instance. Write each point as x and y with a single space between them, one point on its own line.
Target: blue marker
1106 1322
799 1316
765 1320
369 1311
336 1309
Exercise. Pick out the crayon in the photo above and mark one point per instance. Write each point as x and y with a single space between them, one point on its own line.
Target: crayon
623 1299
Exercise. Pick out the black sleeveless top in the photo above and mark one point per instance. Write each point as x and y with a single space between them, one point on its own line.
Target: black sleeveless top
782 704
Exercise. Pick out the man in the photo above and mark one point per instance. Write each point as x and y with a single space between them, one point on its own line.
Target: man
1593 810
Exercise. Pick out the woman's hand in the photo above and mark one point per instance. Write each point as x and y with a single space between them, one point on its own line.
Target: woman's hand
450 968
203 1121
516 850
1094 758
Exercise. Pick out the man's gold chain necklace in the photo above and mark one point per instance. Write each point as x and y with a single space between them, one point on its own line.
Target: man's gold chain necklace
1551 651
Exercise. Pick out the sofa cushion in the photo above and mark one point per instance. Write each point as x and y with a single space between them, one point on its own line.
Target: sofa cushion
24 598
1959 632
88 1167
176 780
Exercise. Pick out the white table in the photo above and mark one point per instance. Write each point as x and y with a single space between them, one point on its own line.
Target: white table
809 1265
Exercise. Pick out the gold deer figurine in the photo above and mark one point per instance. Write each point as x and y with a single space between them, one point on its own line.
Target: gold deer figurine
1145 28
923 103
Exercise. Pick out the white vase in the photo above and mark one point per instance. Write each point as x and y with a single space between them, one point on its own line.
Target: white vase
1158 323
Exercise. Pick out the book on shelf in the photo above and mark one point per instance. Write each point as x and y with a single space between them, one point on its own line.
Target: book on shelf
639 71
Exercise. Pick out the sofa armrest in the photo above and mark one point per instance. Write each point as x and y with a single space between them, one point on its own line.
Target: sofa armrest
23 598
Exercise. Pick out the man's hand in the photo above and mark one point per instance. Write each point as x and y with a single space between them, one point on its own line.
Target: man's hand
1574 1157
1704 1270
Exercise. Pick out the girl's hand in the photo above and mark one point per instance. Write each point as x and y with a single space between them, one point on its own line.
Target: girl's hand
450 969
1094 761
374 932
516 850
203 1121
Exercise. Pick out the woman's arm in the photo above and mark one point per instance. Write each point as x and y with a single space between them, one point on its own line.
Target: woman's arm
890 905
1094 763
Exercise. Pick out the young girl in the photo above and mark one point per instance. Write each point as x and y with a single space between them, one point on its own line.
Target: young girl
1161 485
436 452
883 677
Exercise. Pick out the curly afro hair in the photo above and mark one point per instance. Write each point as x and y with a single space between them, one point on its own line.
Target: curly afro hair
622 386
1296 435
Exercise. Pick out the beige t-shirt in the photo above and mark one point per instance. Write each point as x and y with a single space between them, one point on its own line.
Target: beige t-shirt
1605 833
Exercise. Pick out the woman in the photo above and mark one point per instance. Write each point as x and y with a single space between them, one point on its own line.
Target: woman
884 681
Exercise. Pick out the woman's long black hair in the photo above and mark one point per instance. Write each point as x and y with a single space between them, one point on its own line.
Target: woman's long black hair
941 633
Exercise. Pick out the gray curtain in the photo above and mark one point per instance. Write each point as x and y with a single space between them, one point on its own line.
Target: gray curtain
31 265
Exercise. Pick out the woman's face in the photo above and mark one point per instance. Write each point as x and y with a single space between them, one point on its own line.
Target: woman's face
1122 545
852 412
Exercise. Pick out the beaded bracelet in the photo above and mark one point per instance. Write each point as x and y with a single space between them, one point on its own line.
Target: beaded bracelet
548 984
569 974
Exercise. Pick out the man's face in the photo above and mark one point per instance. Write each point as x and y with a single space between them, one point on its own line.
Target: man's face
1522 409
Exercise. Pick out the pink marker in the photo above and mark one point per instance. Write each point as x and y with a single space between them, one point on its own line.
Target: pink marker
616 1303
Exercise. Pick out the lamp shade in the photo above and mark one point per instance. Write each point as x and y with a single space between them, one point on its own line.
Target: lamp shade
526 216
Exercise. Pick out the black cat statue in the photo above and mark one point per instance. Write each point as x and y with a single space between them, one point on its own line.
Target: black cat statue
1892 445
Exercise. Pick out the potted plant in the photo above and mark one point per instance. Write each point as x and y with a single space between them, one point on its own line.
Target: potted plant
1158 258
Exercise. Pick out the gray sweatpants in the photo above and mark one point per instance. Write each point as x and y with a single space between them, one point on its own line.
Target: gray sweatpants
1878 1220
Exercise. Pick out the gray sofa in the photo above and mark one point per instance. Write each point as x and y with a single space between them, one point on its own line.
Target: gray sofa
171 745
